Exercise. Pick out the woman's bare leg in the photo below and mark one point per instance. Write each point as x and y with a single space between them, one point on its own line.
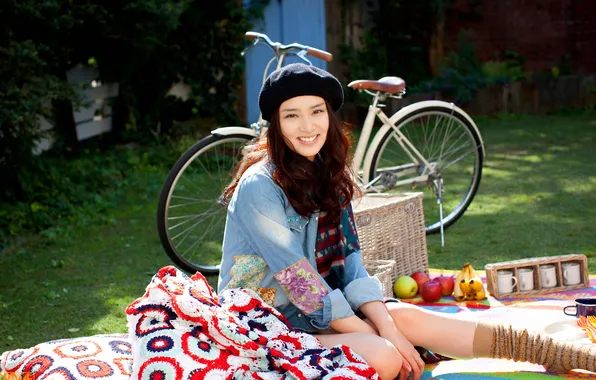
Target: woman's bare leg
379 353
460 338
439 332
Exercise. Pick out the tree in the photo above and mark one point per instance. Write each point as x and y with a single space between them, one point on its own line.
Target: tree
144 45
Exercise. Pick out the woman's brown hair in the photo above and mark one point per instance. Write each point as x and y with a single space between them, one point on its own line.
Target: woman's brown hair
325 185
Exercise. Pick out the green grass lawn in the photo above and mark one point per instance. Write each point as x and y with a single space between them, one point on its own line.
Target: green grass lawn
537 197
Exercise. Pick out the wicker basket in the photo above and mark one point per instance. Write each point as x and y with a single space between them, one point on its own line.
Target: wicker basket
534 263
391 227
381 269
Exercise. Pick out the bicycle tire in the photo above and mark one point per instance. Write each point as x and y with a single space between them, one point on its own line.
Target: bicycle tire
450 218
165 207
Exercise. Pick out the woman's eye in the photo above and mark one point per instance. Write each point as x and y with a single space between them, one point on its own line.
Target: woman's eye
318 111
290 115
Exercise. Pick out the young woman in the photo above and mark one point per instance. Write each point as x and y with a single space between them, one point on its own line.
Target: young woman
290 236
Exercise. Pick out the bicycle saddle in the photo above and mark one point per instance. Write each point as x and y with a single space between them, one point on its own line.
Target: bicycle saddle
390 85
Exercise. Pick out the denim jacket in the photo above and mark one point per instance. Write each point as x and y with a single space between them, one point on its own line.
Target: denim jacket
269 248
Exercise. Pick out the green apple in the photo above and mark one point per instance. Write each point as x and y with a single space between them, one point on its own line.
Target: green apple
405 287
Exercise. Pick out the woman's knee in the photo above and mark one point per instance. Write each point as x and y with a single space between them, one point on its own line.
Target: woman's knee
403 313
385 359
378 352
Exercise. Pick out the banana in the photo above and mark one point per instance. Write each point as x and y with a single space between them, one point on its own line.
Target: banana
475 280
480 295
476 284
468 285
458 294
464 283
473 273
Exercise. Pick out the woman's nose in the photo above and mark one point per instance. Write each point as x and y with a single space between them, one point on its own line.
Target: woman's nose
307 125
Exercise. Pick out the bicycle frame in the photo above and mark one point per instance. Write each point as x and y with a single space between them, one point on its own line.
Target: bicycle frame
374 112
261 125
362 160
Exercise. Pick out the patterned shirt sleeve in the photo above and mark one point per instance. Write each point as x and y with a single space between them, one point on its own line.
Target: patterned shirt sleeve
248 272
304 287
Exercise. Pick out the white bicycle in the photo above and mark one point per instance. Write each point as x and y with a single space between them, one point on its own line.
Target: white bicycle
430 146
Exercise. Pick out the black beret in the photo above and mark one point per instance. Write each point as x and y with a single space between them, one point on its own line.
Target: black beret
298 79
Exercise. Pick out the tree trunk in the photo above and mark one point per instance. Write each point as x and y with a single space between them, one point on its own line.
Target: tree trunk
436 51
66 129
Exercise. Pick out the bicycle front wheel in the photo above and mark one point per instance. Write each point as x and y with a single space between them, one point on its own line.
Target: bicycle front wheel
191 215
452 165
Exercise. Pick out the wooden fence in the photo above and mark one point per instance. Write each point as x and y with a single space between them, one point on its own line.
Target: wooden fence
540 96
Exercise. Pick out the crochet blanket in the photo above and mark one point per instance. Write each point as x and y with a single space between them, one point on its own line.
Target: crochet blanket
180 329
168 340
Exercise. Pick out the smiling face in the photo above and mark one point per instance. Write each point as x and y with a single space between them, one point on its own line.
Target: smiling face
304 122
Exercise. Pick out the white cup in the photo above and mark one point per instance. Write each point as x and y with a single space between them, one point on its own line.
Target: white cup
571 273
505 281
548 275
526 279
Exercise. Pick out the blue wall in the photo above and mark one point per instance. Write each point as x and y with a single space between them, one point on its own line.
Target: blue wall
285 21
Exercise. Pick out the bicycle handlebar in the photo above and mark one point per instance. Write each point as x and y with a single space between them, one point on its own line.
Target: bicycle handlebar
322 54
277 47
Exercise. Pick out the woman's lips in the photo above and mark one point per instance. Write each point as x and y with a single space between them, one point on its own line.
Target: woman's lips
308 140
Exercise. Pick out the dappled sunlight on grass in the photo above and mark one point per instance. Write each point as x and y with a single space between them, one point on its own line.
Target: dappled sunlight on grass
579 185
536 196
493 171
494 204
80 284
555 148
109 323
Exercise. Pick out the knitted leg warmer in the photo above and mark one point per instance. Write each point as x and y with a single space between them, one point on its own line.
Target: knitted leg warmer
519 344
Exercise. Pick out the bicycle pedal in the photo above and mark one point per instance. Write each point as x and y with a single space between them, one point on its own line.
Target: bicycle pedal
388 179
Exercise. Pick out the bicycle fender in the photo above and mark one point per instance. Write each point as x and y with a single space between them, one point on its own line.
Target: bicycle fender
404 111
226 131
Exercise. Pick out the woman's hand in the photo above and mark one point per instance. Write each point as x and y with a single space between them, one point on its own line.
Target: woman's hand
412 360
377 314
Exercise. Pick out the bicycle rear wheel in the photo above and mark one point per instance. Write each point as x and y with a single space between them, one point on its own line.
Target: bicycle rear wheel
453 150
191 215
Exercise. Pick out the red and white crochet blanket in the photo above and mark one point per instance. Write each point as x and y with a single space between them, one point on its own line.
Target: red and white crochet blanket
180 329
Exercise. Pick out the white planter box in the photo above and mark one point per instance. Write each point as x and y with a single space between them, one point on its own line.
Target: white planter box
94 117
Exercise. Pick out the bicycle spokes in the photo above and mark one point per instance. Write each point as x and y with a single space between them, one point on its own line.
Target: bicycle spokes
433 151
194 212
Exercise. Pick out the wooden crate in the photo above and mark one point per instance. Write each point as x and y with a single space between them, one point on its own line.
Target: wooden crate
391 227
534 263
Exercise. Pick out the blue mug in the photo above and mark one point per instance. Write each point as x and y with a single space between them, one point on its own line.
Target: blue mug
583 307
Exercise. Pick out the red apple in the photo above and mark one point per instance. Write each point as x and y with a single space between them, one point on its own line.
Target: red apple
420 278
431 291
447 283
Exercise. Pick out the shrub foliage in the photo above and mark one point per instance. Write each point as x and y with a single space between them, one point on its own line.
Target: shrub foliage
145 46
